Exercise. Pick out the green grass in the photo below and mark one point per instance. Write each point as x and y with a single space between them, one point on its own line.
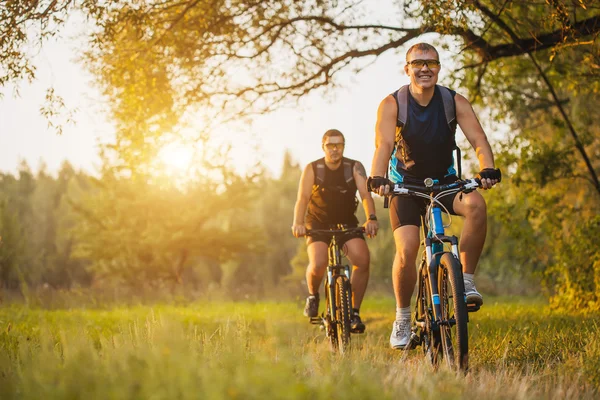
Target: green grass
519 350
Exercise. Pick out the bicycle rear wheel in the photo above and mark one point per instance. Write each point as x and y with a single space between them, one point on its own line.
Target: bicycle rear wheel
343 307
454 331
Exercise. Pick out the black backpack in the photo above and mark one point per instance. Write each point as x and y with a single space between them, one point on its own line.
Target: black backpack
320 175
320 166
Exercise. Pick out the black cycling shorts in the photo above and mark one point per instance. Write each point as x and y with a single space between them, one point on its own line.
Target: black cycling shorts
341 239
408 210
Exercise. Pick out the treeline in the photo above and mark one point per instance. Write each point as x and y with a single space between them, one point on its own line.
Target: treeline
125 236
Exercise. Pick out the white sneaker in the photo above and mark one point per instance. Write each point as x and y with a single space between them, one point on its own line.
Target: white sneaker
471 293
400 333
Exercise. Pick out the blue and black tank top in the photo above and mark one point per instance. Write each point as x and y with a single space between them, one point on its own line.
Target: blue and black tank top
424 145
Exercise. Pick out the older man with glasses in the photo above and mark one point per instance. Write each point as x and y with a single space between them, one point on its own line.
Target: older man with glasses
414 137
326 198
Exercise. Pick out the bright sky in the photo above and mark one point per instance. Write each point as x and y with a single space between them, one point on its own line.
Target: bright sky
24 134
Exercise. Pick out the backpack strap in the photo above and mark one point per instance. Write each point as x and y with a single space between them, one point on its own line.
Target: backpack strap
319 167
449 107
348 170
320 172
401 97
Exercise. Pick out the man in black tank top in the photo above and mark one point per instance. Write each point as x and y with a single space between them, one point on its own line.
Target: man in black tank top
326 198
420 140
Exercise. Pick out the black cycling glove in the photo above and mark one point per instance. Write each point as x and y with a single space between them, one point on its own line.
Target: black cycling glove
374 182
490 173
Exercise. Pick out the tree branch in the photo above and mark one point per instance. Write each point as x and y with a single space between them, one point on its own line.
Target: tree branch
519 46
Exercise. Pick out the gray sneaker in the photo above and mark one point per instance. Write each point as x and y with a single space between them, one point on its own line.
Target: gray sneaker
471 294
400 334
311 309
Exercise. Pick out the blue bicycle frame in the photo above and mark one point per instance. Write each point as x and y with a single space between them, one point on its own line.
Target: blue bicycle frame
434 248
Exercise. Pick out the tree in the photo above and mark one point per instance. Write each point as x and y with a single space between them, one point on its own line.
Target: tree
144 235
243 58
535 65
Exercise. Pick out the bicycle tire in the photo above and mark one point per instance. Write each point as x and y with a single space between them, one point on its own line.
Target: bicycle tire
330 325
454 336
430 337
343 308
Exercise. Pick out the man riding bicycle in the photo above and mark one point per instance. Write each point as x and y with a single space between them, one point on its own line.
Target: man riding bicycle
416 126
326 198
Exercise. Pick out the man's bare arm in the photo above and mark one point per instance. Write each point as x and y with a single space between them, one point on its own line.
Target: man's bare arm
360 177
468 122
304 192
385 135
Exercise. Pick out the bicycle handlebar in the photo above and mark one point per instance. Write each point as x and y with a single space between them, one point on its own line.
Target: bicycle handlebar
333 232
467 185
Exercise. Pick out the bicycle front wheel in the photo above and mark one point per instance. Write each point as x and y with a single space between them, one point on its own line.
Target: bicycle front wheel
429 335
453 329
331 328
343 307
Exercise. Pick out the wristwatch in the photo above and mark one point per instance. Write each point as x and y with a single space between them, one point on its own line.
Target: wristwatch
372 217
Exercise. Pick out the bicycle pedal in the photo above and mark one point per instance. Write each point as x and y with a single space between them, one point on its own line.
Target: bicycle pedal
413 342
472 307
316 321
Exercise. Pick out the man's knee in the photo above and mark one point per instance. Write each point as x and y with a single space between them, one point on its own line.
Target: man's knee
407 244
358 253
406 256
362 264
318 264
472 206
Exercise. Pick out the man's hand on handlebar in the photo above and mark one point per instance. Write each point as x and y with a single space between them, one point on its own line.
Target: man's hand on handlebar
489 177
379 185
371 228
299 230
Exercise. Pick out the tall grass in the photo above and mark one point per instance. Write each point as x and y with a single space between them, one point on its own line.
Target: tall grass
268 351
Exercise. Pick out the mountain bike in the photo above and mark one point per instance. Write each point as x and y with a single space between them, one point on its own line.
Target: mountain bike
440 319
338 291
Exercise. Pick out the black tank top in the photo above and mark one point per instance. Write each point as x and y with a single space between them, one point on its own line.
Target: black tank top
426 144
333 202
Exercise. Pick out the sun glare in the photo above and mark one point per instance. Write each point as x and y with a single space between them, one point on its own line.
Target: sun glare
176 158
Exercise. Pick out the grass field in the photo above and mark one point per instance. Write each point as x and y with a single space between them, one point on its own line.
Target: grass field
519 350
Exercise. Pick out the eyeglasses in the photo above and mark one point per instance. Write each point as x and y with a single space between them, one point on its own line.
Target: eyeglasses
420 63
334 146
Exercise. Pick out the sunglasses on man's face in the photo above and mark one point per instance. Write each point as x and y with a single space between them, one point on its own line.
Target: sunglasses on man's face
420 63
334 146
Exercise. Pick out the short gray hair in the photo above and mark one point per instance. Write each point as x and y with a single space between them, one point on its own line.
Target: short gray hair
422 47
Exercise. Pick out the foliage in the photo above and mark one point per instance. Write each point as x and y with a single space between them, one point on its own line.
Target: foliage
75 230
36 246
145 235
575 274
551 151
164 64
